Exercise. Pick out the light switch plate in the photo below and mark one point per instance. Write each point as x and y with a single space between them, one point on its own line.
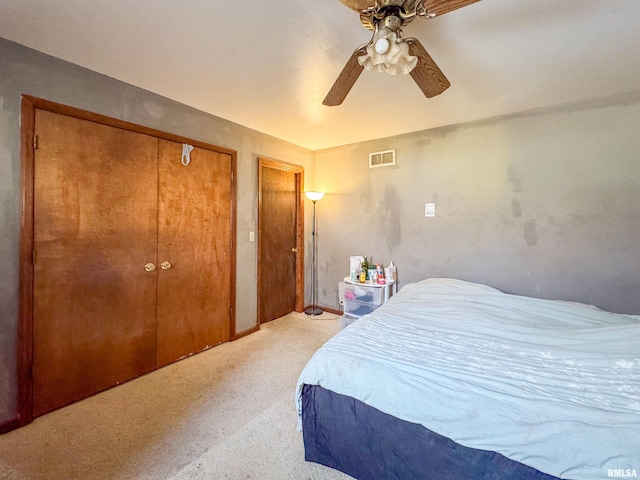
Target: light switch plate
252 236
429 209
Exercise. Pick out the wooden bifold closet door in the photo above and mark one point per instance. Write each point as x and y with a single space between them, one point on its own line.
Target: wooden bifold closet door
194 236
131 256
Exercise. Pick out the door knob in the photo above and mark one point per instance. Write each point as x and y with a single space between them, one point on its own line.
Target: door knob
165 265
294 249
149 267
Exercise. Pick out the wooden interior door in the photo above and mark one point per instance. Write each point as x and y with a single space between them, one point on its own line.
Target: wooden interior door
95 214
278 241
195 237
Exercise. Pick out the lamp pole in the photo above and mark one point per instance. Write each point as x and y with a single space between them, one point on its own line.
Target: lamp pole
314 309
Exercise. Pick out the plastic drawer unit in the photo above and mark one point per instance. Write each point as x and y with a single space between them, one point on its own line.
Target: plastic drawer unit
361 299
363 293
358 309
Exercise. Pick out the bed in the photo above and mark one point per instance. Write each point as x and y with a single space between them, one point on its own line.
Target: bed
456 380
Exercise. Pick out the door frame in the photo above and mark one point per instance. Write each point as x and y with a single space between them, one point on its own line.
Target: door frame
28 144
298 171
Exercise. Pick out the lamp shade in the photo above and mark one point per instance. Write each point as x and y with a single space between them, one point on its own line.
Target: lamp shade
314 196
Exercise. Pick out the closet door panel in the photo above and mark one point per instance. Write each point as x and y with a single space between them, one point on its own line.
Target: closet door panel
194 236
95 227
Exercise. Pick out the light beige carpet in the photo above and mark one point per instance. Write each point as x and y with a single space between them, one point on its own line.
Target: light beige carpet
227 413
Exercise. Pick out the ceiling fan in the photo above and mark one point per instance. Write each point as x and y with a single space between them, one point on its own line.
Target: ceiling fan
388 51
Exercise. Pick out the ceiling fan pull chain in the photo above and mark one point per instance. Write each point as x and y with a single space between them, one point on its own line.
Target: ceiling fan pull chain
186 153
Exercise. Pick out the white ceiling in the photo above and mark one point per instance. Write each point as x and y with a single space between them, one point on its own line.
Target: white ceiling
267 64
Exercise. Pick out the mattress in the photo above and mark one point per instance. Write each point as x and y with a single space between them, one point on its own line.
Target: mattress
355 438
549 384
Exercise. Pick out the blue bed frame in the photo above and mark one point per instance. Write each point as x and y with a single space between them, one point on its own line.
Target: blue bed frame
348 435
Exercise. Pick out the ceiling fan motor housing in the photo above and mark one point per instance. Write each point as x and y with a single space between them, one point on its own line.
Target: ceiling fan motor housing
392 22
393 14
389 3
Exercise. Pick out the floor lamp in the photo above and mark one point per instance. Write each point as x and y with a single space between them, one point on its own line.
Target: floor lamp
314 309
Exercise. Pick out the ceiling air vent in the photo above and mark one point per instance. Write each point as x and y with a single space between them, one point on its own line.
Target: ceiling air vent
382 159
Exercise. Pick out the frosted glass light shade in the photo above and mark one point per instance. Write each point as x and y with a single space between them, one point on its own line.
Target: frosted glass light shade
388 53
314 196
403 62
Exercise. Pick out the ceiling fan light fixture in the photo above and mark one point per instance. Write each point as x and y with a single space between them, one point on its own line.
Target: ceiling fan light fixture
382 46
403 62
388 53
404 55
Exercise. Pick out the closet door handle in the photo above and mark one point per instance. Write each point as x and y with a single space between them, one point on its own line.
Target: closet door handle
149 267
165 265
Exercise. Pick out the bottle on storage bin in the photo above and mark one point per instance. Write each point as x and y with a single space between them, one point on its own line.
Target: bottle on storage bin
380 275
371 274
393 273
364 266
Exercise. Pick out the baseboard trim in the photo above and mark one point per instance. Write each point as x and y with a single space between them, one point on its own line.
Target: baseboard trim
332 310
9 425
326 309
245 333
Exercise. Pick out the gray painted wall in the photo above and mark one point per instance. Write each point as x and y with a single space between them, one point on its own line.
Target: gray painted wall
544 203
25 71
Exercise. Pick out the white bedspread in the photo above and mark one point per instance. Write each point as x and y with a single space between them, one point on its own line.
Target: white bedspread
554 385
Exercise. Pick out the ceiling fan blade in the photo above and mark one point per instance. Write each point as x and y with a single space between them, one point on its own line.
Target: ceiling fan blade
358 5
440 7
426 73
346 79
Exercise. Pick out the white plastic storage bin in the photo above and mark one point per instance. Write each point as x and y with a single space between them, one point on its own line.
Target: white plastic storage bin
357 309
372 294
359 299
